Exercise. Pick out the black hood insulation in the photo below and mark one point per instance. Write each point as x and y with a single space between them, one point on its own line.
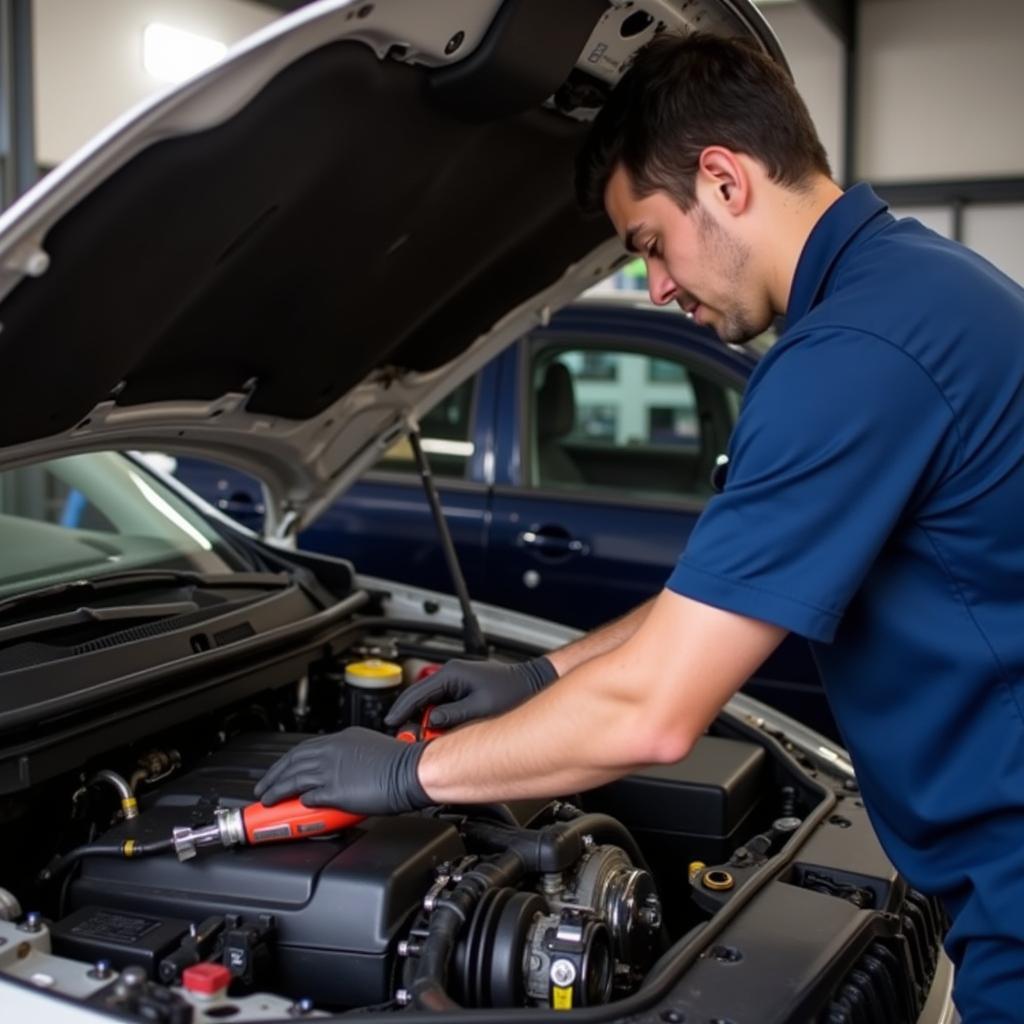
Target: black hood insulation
350 217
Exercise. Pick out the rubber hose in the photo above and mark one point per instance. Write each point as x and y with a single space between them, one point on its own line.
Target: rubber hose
557 847
604 829
447 920
70 859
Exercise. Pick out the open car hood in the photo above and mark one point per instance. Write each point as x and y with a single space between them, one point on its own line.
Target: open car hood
282 263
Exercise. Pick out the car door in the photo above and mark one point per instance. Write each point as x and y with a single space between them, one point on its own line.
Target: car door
618 417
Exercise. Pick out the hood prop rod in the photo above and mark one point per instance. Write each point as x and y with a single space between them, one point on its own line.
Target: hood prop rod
474 638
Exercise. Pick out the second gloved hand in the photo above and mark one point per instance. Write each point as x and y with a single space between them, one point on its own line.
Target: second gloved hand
467 690
356 770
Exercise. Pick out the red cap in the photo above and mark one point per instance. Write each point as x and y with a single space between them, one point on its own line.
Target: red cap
206 979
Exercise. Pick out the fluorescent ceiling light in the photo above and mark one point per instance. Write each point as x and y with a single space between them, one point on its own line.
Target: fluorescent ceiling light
172 54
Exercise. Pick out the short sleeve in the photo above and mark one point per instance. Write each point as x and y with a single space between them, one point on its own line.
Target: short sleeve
840 435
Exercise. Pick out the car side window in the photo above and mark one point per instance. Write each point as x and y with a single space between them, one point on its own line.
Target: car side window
447 437
629 423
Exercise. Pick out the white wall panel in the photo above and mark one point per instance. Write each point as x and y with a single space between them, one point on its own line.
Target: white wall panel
941 89
997 231
938 218
816 57
88 58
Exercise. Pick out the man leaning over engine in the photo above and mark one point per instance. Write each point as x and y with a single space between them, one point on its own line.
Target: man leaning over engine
875 483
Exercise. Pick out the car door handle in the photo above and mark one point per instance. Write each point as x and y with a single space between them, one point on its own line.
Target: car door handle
552 543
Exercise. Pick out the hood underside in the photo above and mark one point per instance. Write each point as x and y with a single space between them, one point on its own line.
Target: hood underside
281 262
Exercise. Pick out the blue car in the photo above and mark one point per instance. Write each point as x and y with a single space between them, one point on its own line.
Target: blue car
571 469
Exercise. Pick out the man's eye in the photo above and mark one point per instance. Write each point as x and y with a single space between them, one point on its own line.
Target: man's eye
652 249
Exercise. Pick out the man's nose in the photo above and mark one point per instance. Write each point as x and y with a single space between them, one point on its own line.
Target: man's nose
660 286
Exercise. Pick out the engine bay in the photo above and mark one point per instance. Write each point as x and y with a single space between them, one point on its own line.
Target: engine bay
533 906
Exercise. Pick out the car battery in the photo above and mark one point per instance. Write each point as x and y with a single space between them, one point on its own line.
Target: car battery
698 809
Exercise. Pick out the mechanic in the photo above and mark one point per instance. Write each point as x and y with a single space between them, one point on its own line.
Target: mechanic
873 505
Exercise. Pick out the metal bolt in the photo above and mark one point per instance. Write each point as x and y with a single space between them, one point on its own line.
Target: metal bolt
551 884
454 43
563 973
33 922
33 264
650 913
408 947
301 1007
650 917
429 903
134 976
101 969
588 842
790 823
403 997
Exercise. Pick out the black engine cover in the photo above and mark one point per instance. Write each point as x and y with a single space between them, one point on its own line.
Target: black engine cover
340 903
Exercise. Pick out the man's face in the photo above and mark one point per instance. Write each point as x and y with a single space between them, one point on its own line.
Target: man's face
691 259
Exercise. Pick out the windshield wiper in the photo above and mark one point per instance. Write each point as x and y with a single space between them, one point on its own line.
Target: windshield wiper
86 615
108 583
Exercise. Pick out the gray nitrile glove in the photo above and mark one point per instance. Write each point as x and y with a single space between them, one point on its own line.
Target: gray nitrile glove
466 690
356 770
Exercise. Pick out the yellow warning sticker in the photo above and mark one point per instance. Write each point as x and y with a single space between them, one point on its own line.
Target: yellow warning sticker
561 998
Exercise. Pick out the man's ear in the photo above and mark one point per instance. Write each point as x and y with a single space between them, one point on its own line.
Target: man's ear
724 178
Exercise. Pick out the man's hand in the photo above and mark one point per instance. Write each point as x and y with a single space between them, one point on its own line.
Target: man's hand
472 689
356 770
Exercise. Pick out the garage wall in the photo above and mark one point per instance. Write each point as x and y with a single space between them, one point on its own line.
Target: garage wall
996 231
88 59
940 89
816 57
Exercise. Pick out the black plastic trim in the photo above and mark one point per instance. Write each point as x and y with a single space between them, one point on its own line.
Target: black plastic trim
944 193
167 672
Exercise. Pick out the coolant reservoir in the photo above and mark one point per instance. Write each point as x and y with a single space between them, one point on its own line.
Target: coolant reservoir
371 687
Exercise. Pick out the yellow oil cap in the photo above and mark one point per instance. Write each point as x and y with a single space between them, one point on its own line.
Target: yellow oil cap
373 674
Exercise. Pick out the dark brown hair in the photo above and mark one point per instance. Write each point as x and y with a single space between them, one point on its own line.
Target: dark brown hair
684 93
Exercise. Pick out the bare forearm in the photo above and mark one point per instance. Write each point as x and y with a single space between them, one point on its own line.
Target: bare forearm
542 748
646 700
600 641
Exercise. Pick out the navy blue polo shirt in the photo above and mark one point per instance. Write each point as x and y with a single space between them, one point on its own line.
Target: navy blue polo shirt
875 504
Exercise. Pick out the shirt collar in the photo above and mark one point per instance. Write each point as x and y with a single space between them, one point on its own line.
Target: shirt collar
836 229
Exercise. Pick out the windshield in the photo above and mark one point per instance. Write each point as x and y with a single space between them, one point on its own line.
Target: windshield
88 515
